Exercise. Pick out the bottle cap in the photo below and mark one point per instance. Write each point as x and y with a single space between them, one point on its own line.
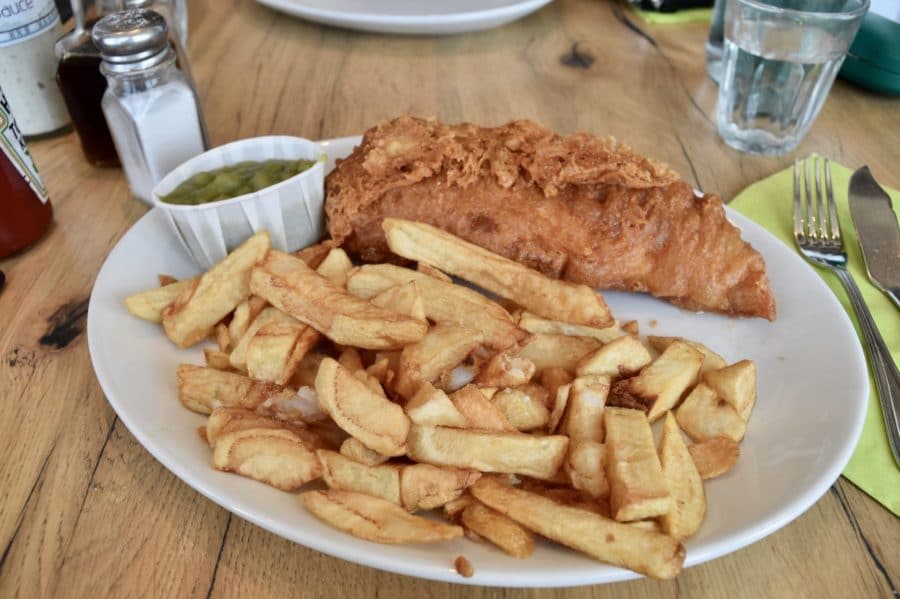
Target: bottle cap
131 36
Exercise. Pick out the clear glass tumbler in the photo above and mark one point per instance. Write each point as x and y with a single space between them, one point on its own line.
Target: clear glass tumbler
781 58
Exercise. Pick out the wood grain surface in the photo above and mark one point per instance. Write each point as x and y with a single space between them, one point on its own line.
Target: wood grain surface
85 511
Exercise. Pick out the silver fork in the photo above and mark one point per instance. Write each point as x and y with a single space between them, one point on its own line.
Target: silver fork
817 232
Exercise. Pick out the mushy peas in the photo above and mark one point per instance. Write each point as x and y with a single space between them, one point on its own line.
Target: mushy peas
235 180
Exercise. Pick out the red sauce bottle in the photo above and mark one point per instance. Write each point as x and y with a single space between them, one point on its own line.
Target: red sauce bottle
25 210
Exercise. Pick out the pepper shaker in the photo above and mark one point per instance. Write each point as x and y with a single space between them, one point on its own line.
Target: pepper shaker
151 107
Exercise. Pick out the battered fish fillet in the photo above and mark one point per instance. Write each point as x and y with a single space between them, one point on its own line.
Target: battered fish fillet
581 208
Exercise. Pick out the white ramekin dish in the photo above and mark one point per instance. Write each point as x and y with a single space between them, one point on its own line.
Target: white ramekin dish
291 211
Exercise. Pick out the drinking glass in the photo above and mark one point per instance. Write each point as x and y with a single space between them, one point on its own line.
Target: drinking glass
780 60
715 43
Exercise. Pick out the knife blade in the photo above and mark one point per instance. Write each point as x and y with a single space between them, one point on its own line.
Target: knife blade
879 235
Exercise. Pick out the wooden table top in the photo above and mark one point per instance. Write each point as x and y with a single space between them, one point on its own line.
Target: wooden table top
85 511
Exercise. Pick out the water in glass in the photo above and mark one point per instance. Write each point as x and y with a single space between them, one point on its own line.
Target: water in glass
776 76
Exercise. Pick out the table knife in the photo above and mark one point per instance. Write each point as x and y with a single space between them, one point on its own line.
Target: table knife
876 227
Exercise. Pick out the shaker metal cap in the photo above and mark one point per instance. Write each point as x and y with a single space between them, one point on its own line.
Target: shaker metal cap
137 3
130 35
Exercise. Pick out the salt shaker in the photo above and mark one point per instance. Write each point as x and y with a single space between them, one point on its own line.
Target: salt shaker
169 10
151 107
177 9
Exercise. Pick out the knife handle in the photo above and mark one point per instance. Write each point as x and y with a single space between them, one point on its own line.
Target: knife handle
887 378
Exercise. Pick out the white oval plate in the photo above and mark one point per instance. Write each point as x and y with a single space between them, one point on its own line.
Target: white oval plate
813 387
410 17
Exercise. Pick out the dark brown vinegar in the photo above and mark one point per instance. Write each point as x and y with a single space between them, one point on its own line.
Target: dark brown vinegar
82 86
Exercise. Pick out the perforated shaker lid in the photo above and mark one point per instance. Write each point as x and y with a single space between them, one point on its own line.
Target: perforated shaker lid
130 36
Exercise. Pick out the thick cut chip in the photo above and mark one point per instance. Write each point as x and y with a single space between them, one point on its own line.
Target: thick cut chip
424 487
550 298
431 271
432 407
345 474
560 402
245 313
444 302
150 304
164 279
228 420
277 349
442 348
638 489
379 423
622 357
685 484
375 519
652 525
370 381
525 411
404 298
194 313
479 412
203 389
512 453
714 457
503 532
586 467
711 360
223 337
704 415
554 378
535 391
351 360
557 351
333 435
535 324
335 266
313 255
736 384
660 386
354 449
216 359
584 411
269 315
505 369
568 496
643 551
276 457
380 370
305 375
294 288
303 406
458 377
453 509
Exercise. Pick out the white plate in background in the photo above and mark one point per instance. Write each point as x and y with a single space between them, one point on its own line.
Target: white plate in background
410 17
813 388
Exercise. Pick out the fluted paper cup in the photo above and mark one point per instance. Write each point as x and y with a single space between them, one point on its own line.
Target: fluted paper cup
291 211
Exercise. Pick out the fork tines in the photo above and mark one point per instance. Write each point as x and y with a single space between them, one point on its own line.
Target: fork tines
814 222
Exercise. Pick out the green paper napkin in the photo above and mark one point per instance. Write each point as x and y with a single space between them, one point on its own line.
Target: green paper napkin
768 202
688 15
